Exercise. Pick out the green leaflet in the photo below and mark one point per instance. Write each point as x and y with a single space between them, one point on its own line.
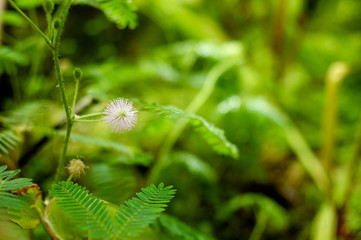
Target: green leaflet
28 216
178 230
86 210
121 12
9 59
138 213
91 214
10 203
210 133
271 210
324 225
8 140
7 184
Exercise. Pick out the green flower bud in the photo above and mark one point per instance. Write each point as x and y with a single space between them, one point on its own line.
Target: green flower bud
48 6
77 74
56 24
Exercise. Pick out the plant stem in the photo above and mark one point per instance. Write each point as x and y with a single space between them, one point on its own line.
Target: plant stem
193 107
352 166
335 75
90 115
75 97
47 40
48 19
307 158
87 120
62 158
62 89
257 231
69 178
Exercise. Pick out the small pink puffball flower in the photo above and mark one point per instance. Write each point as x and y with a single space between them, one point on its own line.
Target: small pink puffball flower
120 115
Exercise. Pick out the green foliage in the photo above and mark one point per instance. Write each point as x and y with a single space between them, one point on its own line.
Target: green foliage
111 181
8 184
29 3
86 210
12 18
178 230
210 133
195 166
121 12
324 225
10 59
12 123
91 213
61 223
28 216
259 68
137 213
10 203
106 144
275 214
8 140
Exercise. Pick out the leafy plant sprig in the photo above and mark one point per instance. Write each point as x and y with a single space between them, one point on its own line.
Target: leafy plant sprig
93 215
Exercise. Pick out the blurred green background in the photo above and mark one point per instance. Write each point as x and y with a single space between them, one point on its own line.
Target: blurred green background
278 57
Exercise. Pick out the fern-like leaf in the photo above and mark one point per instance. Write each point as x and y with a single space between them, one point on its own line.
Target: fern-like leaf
9 203
210 133
7 183
8 140
86 210
138 213
121 12
91 213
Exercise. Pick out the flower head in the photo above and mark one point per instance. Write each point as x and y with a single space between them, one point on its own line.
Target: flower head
76 167
120 115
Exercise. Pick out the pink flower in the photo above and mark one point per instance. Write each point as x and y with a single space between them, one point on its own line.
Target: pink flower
120 115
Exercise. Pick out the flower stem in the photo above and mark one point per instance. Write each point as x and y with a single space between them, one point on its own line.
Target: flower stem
69 178
90 115
336 74
62 89
47 40
87 120
75 97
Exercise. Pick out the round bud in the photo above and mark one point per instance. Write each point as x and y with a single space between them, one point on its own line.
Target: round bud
56 23
76 167
48 6
77 74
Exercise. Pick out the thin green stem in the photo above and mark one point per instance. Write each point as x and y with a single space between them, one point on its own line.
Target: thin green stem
258 229
307 158
75 97
87 120
61 24
65 149
69 178
62 89
47 40
48 20
336 73
352 165
193 107
90 115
